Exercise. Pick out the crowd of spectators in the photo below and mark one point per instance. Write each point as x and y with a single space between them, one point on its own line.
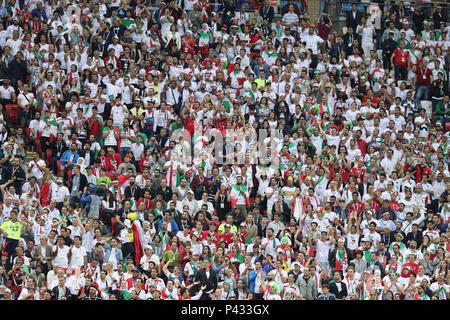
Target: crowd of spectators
223 150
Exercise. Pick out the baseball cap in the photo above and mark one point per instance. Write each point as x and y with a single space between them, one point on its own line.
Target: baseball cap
4 253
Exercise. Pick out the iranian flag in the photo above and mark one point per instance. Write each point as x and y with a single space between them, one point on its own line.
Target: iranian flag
321 108
123 178
138 240
172 177
63 32
340 256
51 122
239 191
311 251
298 208
252 95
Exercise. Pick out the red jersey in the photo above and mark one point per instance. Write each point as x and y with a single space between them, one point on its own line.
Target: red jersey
94 126
148 203
114 161
394 205
212 234
357 206
423 75
375 204
199 234
227 238
401 57
104 163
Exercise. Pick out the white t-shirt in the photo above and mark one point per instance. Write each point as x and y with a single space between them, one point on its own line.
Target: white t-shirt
118 115
441 294
352 241
78 255
111 138
312 42
59 192
35 171
323 248
61 258
6 92
126 143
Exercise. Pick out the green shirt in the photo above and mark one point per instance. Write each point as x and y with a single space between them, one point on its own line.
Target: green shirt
175 126
107 180
441 109
169 255
13 229
221 229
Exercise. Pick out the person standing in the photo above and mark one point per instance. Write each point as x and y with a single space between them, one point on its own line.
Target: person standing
423 79
400 60
77 184
11 229
208 277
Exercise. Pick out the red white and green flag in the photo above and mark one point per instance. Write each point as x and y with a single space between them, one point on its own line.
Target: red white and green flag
173 176
238 191
321 108
298 208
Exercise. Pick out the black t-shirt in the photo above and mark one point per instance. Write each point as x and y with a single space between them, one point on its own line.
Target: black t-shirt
68 241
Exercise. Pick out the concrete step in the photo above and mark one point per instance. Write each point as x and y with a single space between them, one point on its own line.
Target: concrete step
28 157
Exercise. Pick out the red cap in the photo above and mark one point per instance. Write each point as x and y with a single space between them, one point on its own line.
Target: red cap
4 253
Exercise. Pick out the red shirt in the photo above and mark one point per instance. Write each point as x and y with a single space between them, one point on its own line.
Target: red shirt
401 57
147 202
423 75
227 238
114 161
357 206
95 129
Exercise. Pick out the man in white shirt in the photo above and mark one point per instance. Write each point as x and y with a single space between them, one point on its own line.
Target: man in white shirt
7 92
313 43
116 46
59 192
61 253
14 43
389 162
77 254
119 112
36 167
